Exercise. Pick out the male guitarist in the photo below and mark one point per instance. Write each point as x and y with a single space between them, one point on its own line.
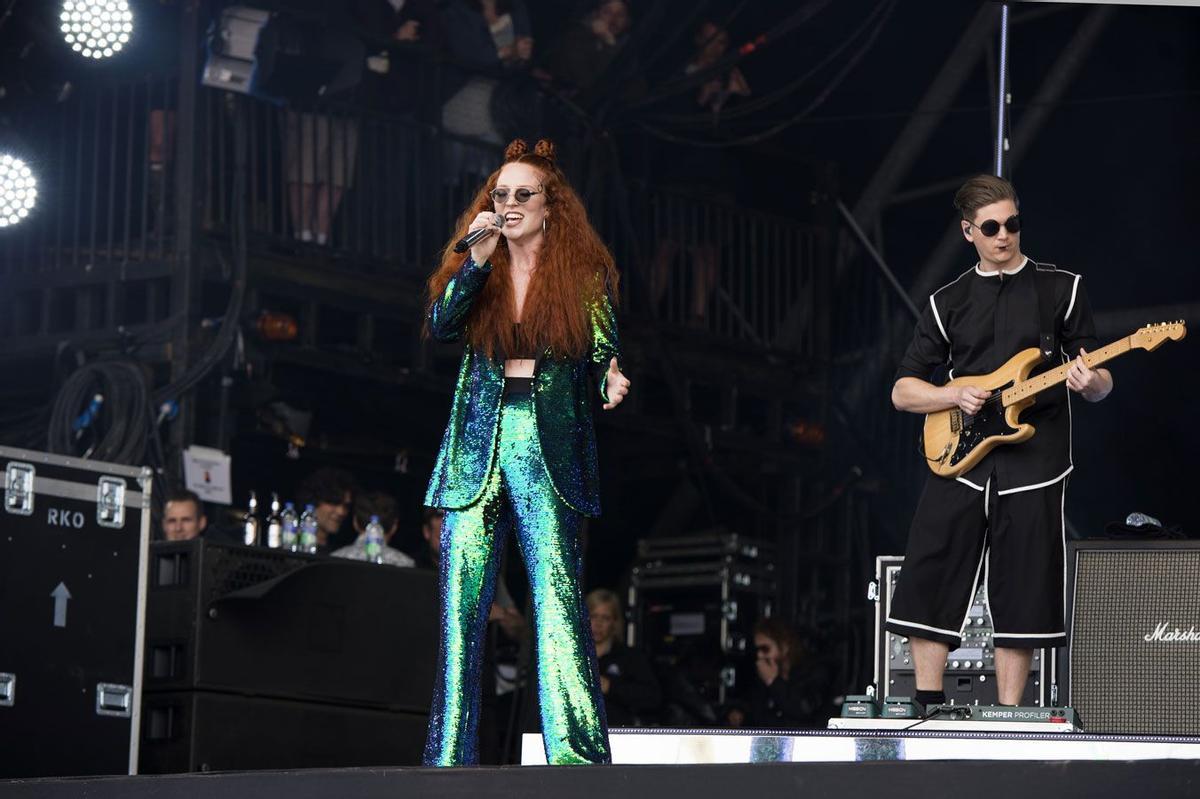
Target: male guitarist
1002 521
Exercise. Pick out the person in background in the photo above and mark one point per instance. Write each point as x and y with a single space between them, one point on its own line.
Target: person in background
782 697
490 43
504 610
183 516
589 46
431 534
331 493
712 45
395 82
383 507
627 680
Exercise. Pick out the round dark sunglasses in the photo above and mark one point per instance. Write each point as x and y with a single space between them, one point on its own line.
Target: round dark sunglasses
500 196
991 227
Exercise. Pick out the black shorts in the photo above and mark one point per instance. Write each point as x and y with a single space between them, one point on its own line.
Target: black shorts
1013 542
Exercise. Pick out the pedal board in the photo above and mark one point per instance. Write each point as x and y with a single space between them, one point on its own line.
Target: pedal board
969 718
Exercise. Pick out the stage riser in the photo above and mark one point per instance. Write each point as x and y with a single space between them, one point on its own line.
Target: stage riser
834 746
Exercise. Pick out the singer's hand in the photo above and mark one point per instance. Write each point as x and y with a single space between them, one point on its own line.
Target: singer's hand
484 248
618 385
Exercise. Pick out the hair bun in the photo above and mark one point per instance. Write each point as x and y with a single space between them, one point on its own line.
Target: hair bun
546 149
515 149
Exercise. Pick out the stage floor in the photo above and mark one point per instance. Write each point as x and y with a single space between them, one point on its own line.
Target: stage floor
914 779
695 747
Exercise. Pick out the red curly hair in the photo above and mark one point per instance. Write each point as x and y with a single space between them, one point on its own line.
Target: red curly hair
574 268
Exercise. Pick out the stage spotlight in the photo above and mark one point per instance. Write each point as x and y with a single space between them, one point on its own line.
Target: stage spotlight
96 28
18 190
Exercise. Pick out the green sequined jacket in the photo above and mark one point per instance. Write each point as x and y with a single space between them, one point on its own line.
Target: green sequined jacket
562 402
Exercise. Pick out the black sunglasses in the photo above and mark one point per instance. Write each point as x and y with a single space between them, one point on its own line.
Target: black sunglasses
500 196
991 227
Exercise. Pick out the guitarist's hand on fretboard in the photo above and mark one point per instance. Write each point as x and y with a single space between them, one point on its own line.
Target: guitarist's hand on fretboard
1093 384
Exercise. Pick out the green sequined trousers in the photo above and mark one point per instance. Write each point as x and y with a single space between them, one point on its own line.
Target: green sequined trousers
518 493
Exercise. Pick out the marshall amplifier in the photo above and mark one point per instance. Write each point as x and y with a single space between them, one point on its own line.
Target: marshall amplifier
1133 663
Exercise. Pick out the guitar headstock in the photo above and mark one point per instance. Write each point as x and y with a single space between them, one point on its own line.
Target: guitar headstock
1151 337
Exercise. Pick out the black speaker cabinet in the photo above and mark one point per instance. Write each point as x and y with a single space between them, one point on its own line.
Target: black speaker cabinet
201 731
1133 664
264 622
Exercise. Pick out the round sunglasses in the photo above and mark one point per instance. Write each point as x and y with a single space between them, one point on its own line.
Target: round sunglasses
991 227
500 196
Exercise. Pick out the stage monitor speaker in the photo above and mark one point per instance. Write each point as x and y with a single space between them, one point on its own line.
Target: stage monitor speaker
264 622
1133 664
202 731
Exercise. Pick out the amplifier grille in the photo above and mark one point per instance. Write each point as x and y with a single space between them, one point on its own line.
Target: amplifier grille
234 568
1127 674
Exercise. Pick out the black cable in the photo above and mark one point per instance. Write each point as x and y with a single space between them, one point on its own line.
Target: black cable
126 428
230 323
120 430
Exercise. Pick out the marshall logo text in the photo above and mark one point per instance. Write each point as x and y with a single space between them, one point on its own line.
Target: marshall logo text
1165 634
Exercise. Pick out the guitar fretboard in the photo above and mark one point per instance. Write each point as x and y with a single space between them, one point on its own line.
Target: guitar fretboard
1058 375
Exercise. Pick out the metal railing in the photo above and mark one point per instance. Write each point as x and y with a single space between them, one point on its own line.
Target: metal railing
711 266
355 188
94 252
97 157
394 187
337 180
868 346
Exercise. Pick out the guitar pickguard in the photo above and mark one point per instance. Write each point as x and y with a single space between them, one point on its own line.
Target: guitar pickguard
986 424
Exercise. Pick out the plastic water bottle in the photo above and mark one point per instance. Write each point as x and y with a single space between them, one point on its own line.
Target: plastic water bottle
374 543
250 523
274 524
308 530
289 533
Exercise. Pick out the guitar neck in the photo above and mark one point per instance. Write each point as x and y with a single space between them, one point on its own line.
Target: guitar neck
1058 375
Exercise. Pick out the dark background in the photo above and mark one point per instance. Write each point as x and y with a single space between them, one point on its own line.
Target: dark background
1107 189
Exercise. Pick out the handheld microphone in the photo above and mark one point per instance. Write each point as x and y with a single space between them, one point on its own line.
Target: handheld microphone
468 241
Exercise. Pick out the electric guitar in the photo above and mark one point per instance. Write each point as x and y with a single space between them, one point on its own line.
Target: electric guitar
954 441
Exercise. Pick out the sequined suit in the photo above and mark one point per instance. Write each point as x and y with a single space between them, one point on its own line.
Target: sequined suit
523 462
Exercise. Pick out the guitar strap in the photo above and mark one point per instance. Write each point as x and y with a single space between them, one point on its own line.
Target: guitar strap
1048 330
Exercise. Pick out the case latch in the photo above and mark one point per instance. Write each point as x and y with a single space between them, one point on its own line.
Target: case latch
110 502
114 700
18 488
8 689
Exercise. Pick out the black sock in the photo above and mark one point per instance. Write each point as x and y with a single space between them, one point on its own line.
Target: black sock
927 698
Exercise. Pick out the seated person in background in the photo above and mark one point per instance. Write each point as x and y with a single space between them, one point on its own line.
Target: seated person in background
330 491
781 697
504 610
431 533
183 516
631 691
366 505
